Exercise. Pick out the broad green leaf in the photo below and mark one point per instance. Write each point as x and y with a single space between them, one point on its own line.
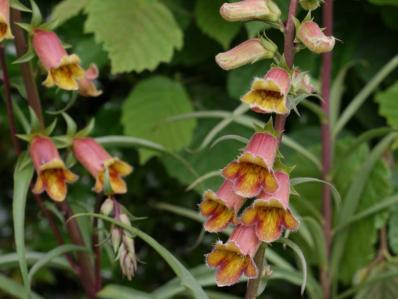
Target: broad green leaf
149 105
388 105
212 24
14 289
137 34
22 177
112 291
187 280
67 9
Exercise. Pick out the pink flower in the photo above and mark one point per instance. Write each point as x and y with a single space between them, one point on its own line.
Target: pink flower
52 175
5 30
247 52
235 258
270 213
87 87
264 10
251 173
220 208
269 94
96 160
314 39
63 70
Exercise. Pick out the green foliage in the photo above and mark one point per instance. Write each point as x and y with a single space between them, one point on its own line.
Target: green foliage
137 34
147 108
388 105
211 23
393 230
67 9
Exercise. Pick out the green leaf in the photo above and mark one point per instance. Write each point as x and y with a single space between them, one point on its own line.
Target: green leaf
113 291
11 260
212 24
393 230
137 34
388 105
22 177
67 9
187 280
149 105
14 289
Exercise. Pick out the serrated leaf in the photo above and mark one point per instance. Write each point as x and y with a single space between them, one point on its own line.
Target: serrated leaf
149 105
211 23
67 9
388 105
137 34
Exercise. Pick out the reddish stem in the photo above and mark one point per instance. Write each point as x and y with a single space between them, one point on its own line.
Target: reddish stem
96 247
326 146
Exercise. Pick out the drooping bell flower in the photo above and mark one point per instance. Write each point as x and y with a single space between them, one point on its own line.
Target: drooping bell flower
247 52
220 208
252 172
301 82
314 39
97 161
235 258
5 28
248 10
87 86
269 94
52 174
270 213
63 70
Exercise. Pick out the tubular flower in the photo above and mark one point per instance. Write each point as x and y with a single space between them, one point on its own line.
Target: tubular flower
97 160
87 87
5 31
314 39
247 10
251 173
52 175
270 213
301 82
220 207
235 258
269 94
247 52
63 70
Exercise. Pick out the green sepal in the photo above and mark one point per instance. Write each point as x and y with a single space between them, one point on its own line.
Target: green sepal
293 191
24 137
35 126
50 25
37 18
71 127
23 161
70 159
48 131
86 131
268 128
28 56
25 26
64 141
280 166
19 6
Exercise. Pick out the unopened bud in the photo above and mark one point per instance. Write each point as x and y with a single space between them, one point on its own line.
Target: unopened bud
129 243
250 51
107 207
310 4
128 262
265 10
116 238
124 219
313 38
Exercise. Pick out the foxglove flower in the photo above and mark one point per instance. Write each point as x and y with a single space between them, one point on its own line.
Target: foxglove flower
5 28
269 94
270 213
87 86
52 175
314 39
252 172
63 70
247 52
235 258
247 10
97 160
220 208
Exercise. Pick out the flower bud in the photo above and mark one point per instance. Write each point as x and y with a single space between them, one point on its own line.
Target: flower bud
310 4
314 39
247 10
128 262
301 82
124 219
107 207
247 52
116 238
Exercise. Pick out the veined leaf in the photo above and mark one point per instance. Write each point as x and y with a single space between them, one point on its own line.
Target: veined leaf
137 34
388 105
67 9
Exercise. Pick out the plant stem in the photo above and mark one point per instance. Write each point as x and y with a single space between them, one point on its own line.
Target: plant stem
289 51
26 68
96 246
253 284
326 146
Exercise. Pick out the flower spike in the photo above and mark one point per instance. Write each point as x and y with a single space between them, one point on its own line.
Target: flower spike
52 174
235 258
220 207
